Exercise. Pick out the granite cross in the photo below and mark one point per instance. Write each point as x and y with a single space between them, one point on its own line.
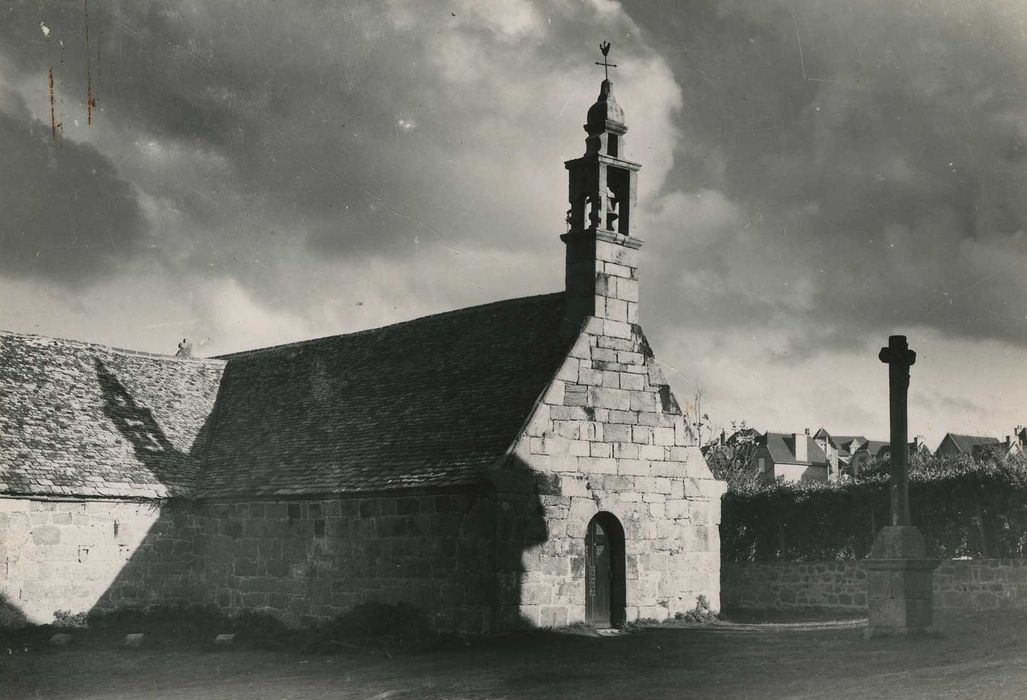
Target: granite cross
605 48
899 359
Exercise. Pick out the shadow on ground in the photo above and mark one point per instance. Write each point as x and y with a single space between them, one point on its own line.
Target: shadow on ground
976 656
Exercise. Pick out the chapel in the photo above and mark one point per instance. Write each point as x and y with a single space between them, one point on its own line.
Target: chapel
521 463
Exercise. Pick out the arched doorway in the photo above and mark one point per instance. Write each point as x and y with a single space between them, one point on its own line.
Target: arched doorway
604 571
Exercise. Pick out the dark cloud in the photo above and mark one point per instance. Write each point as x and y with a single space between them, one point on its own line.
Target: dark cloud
873 153
840 167
67 216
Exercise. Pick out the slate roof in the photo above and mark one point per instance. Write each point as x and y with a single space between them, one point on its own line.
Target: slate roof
88 420
874 447
845 442
782 449
966 443
429 402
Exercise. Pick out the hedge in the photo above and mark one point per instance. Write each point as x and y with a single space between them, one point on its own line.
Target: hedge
963 509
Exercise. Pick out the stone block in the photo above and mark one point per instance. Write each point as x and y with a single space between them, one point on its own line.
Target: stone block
678 507
643 401
634 467
617 432
134 640
617 329
578 449
576 395
898 542
589 376
615 270
670 470
570 429
634 382
663 436
536 593
61 640
568 372
540 421
632 312
625 450
623 418
596 465
569 413
46 535
642 435
553 616
653 452
650 420
618 344
616 310
609 398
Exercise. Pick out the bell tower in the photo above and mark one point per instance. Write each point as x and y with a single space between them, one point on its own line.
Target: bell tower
602 250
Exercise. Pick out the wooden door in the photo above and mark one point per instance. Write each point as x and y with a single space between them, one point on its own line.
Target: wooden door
598 575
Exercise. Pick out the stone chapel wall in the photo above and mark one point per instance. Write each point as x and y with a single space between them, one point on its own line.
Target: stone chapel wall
75 556
301 561
307 561
611 437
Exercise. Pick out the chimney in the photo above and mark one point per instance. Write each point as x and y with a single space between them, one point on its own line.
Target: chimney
185 348
801 453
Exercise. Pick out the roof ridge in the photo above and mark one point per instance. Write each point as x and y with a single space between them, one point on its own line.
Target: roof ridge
377 329
112 348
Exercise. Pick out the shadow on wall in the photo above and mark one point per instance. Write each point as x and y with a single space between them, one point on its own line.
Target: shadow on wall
455 553
10 614
168 465
154 553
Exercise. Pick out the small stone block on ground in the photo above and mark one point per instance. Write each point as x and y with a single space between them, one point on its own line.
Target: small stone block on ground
60 640
134 640
224 640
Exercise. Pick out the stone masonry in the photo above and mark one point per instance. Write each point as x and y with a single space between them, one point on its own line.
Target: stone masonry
68 555
611 435
959 585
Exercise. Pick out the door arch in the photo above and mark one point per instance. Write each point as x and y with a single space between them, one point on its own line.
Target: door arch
605 589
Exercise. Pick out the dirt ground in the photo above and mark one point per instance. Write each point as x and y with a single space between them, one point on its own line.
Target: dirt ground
984 656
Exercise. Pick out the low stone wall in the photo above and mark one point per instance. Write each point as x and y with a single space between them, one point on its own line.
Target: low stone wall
959 585
836 585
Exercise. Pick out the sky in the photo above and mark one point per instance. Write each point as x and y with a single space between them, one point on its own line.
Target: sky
817 175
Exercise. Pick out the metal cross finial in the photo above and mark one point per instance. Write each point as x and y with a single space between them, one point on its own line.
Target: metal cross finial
605 48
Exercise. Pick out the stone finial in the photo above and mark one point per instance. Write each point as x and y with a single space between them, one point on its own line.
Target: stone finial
185 348
604 110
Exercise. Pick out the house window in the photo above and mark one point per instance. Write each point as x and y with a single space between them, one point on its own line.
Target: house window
762 464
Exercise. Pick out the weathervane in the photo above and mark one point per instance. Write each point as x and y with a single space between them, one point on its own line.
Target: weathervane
605 48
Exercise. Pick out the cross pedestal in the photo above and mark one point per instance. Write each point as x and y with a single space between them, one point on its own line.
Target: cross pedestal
900 587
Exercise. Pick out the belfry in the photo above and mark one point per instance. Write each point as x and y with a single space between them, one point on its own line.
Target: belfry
602 252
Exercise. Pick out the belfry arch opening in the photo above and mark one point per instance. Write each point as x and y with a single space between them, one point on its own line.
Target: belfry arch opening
605 590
